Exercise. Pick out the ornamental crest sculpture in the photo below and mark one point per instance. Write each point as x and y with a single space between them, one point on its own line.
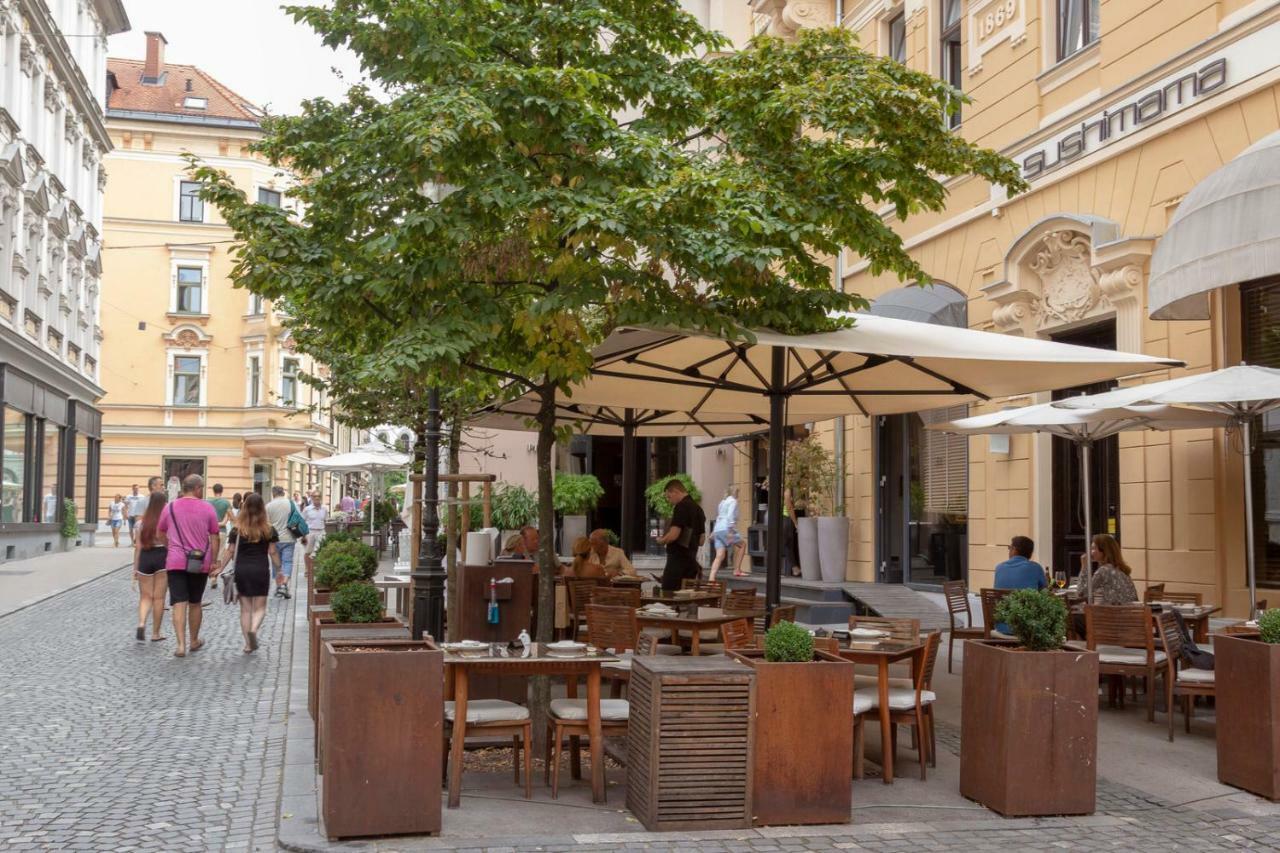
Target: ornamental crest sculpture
1070 289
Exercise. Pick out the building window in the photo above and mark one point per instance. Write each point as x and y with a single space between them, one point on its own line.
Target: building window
1077 26
1260 310
186 380
269 197
177 469
191 102
950 51
255 381
49 468
13 492
190 207
255 304
898 37
289 383
188 298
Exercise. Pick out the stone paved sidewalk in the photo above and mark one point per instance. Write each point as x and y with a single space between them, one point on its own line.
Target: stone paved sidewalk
112 744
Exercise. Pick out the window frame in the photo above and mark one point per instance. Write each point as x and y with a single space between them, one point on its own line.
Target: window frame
897 20
253 393
279 197
195 206
290 401
174 375
949 34
1089 9
179 286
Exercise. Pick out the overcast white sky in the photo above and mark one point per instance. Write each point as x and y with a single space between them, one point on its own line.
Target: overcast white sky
249 45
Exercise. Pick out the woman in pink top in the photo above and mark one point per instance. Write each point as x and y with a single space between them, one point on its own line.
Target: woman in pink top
189 524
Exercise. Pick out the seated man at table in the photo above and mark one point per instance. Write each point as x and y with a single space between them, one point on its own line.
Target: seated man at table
521 546
612 559
1019 571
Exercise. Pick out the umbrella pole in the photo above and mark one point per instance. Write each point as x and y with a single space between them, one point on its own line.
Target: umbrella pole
1086 458
1246 435
773 535
625 528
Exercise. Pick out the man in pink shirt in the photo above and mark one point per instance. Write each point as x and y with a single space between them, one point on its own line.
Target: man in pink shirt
189 524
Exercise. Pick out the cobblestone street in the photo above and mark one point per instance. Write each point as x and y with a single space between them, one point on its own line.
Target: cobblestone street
112 744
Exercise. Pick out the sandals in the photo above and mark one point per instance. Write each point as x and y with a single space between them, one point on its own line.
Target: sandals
158 638
141 634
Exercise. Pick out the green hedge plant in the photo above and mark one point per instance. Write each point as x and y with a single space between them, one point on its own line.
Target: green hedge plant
575 494
70 526
331 539
656 496
357 602
364 554
1269 626
339 570
513 507
1038 619
787 642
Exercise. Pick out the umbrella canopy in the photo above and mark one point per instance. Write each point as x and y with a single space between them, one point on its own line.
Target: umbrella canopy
368 458
1083 427
1239 393
590 419
880 366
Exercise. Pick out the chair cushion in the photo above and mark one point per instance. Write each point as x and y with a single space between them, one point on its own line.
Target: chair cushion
708 634
669 650
1122 655
872 682
490 711
624 662
902 698
862 702
1001 635
614 710
1195 676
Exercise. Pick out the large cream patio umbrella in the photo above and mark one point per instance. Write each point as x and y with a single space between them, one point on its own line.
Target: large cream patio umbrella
1082 427
630 423
371 458
878 366
1239 394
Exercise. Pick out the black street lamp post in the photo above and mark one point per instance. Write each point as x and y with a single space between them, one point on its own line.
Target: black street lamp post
429 576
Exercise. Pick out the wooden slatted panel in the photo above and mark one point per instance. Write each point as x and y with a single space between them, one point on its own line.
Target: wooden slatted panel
689 743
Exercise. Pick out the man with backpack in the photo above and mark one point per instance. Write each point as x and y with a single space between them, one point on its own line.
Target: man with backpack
291 529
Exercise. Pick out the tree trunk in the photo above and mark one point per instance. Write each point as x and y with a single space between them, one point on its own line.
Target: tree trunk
451 534
548 562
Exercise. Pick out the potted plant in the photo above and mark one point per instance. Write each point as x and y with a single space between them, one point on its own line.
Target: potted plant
513 507
800 778
1029 715
1247 696
573 496
823 536
343 563
381 721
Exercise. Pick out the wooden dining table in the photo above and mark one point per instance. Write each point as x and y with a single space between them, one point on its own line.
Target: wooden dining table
675 599
459 668
1195 615
881 655
694 623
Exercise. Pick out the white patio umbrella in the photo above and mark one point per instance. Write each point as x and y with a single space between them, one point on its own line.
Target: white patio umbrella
878 366
370 458
1239 393
1082 427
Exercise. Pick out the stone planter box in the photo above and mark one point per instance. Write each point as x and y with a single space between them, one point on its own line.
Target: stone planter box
1247 693
382 721
1029 730
318 615
803 751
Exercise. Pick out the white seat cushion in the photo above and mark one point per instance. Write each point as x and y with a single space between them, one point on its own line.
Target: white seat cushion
901 698
1001 635
613 710
1122 655
1195 676
624 662
490 711
669 650
872 682
862 702
708 634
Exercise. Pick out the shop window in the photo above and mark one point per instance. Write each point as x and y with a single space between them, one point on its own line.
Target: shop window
1077 24
1260 309
186 380
949 59
189 294
262 479
80 483
50 501
13 497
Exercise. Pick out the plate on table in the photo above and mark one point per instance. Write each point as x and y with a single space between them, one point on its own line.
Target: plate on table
867 634
566 648
467 648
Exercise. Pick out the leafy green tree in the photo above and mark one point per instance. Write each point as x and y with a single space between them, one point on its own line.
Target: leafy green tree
541 173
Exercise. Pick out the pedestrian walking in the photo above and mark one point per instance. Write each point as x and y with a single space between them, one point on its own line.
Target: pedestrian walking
221 506
251 545
725 536
149 553
115 518
280 511
315 515
135 503
191 531
237 501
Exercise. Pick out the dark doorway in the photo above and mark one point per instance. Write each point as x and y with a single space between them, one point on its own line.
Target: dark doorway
1067 483
654 458
891 505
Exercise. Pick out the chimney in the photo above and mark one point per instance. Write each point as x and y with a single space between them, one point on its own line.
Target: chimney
153 70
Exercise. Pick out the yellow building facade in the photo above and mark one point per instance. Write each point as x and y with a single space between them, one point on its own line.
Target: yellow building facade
1114 110
200 376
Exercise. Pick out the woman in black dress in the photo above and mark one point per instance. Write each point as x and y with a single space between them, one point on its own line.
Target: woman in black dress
252 545
149 551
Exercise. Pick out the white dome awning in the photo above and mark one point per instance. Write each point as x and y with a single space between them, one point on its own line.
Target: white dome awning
1226 231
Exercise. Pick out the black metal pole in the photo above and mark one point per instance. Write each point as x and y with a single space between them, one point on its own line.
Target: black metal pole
627 528
428 579
773 535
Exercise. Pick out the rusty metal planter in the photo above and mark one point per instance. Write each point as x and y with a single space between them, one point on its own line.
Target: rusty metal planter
1247 696
323 615
382 722
1029 730
342 632
803 748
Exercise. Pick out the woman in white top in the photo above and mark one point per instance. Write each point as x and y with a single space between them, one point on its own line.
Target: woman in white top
724 536
115 517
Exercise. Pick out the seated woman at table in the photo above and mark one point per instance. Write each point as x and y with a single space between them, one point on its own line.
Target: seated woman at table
583 566
1111 583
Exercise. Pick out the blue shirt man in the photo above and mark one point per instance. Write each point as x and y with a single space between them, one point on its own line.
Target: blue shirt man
1019 571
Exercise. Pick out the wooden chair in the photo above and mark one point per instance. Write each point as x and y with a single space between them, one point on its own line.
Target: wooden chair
740 600
646 646
1187 683
991 598
733 635
496 718
580 591
957 595
1124 639
613 629
703 586
783 613
1195 598
911 706
568 718
616 596
1153 592
901 629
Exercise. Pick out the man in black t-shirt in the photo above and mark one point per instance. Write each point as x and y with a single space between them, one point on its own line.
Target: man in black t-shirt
683 538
